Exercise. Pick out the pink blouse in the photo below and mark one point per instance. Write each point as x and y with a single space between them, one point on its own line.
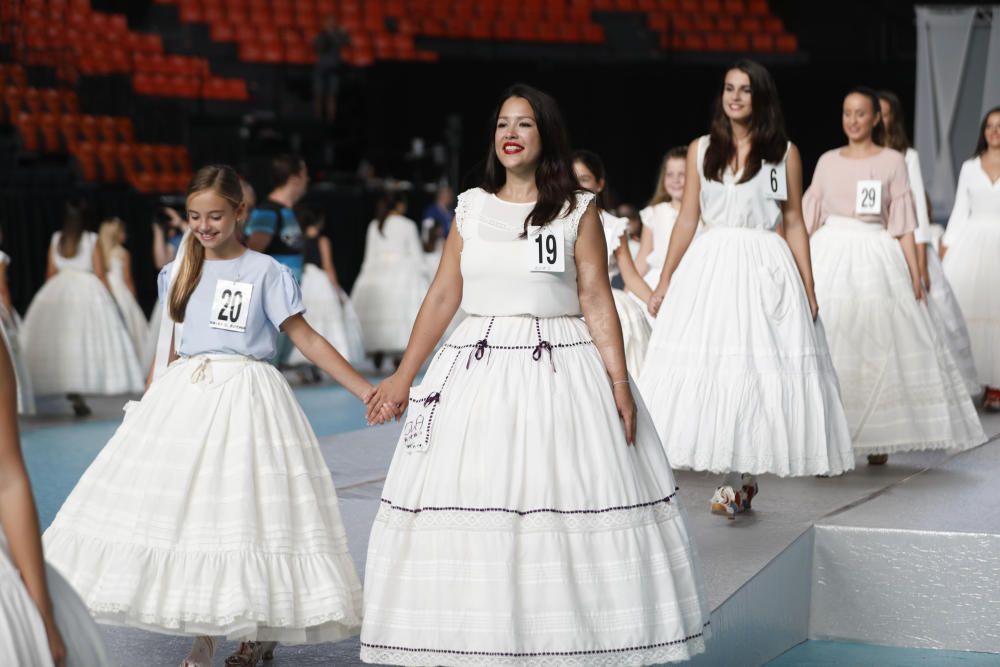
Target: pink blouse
833 190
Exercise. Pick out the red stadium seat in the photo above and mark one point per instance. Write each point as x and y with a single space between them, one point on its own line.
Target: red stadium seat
86 157
107 156
27 125
48 124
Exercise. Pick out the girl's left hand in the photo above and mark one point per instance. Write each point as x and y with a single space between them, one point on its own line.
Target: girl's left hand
388 400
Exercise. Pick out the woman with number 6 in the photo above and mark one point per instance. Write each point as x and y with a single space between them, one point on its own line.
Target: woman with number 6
738 377
211 512
527 481
902 388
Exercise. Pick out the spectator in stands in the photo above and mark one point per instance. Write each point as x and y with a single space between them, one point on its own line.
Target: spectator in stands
328 45
441 211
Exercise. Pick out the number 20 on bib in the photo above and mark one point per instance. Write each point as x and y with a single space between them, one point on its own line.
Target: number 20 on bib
548 249
231 306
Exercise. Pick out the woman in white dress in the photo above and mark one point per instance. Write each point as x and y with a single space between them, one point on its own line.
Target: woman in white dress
75 341
517 498
10 327
392 281
168 235
660 214
590 175
42 621
111 237
328 308
738 377
211 510
902 388
941 302
971 251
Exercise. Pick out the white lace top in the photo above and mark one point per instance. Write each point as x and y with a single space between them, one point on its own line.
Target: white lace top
733 204
660 219
83 260
496 274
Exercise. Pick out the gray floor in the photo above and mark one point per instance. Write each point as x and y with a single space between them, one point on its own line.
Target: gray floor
731 551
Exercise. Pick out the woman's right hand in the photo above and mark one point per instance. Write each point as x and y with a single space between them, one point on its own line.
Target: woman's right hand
388 401
918 288
656 300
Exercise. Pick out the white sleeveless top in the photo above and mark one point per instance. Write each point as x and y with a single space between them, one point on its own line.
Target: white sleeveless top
614 231
83 260
733 204
495 261
660 219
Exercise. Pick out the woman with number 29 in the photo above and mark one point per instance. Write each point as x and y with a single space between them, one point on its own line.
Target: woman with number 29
738 376
529 515
902 388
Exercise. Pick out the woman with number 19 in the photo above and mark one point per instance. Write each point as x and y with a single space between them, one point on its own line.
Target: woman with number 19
529 516
902 388
738 377
211 512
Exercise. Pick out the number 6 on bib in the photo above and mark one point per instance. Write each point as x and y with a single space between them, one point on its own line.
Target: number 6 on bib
776 181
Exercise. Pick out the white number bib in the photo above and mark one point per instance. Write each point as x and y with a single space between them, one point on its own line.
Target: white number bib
869 198
548 249
231 306
776 181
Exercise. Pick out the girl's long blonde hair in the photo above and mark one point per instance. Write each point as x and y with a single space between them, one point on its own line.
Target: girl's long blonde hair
660 194
225 182
108 239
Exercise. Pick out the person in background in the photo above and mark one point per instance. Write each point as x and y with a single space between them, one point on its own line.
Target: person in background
118 261
326 78
435 225
10 324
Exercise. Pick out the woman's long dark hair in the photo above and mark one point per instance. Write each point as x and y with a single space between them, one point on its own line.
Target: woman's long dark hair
72 230
768 138
981 144
895 132
878 132
593 162
554 177
385 206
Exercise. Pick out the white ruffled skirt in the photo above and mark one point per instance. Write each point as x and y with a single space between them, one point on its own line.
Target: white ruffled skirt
75 341
902 389
635 329
212 512
329 311
23 640
387 297
946 314
10 332
972 266
738 377
135 319
516 525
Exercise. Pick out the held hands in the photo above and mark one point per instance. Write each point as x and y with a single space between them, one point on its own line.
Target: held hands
655 301
626 409
387 401
918 289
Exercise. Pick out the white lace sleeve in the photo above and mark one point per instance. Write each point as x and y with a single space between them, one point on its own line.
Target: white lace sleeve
583 200
464 207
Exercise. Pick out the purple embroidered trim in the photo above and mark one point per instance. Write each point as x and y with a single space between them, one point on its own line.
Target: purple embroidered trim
506 510
540 654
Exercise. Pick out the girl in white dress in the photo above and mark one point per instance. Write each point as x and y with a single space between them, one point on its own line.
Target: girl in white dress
738 377
589 171
42 621
74 339
522 523
942 305
10 331
111 237
168 235
660 214
901 385
392 281
971 251
211 511
328 308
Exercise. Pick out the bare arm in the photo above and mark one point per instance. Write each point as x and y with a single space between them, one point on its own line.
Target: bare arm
599 311
127 271
160 258
50 267
259 241
630 274
684 229
319 351
645 248
326 256
794 226
5 290
18 515
909 246
436 313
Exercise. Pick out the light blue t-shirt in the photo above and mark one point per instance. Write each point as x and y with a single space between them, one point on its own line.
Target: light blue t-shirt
275 297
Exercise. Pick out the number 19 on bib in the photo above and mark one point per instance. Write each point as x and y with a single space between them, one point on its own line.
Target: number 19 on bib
548 250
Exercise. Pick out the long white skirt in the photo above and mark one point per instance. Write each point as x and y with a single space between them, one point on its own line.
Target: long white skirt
135 319
528 532
738 377
946 313
74 339
152 336
23 640
211 512
635 330
329 311
10 332
387 298
902 388
972 266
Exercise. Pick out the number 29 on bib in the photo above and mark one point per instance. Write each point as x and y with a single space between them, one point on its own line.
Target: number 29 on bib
548 249
869 198
231 306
